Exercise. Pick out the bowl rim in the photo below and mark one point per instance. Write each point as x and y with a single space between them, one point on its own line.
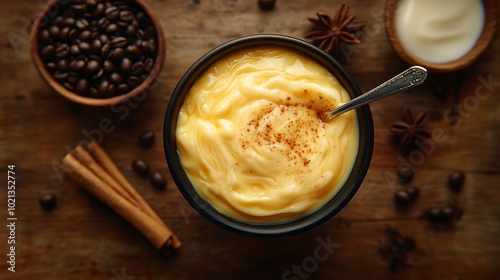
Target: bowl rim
72 96
482 43
325 212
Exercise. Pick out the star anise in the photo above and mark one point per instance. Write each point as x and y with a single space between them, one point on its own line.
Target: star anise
329 33
411 127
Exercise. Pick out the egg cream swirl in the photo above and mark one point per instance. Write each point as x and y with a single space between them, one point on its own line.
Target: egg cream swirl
250 139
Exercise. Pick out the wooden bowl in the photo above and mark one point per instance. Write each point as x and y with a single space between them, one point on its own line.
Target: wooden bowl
47 13
487 36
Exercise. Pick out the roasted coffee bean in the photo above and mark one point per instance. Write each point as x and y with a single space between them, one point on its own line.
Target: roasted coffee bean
116 78
82 86
64 33
93 92
435 214
146 139
111 90
103 38
73 33
95 33
51 66
126 66
412 192
402 198
99 10
48 201
82 24
78 65
93 66
405 173
44 36
267 4
112 12
74 50
69 86
54 31
141 167
69 21
442 214
96 45
57 20
119 42
456 181
103 87
122 88
98 75
103 22
130 30
108 66
158 180
111 28
449 213
117 54
48 52
91 3
106 50
60 75
152 47
78 8
140 16
62 51
134 52
62 64
134 81
148 64
84 47
126 15
137 68
85 35
72 78
122 24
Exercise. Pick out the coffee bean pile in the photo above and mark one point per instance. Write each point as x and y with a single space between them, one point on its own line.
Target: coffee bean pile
99 48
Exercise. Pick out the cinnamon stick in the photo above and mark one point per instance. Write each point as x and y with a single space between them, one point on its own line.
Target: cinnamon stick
107 163
101 177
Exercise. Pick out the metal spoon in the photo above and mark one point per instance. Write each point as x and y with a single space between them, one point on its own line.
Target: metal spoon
411 77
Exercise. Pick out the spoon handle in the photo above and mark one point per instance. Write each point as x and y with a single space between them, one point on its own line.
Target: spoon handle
409 78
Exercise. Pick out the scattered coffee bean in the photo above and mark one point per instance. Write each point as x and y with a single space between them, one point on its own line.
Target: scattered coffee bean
141 167
267 4
405 196
442 214
146 139
158 180
111 45
405 174
456 181
412 192
48 201
402 198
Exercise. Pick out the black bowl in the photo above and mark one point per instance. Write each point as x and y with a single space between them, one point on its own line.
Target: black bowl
330 208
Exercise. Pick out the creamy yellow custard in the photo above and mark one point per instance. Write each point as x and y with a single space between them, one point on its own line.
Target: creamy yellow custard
250 139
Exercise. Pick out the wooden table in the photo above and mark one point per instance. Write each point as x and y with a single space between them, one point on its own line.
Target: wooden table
84 239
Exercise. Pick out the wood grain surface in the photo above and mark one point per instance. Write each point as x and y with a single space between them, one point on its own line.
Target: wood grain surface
84 239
